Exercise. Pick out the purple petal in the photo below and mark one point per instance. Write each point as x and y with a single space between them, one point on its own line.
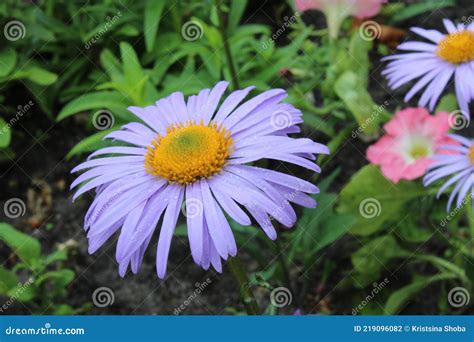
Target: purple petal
230 103
207 111
195 220
131 138
167 228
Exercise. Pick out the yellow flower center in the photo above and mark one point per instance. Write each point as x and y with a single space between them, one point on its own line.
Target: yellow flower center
457 47
419 151
189 152
471 154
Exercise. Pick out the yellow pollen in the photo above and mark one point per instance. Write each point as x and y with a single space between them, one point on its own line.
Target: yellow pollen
457 47
189 152
418 151
471 154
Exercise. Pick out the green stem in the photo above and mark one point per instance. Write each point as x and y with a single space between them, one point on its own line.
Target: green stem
324 110
334 20
223 19
336 142
470 220
242 281
283 263
444 265
176 17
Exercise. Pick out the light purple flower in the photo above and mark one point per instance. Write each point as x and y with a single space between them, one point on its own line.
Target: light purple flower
458 165
192 157
434 63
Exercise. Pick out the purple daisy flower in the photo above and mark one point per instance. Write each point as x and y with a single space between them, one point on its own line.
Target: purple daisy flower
459 164
194 153
434 65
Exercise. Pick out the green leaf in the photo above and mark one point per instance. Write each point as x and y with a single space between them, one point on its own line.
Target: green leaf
448 103
23 292
351 90
35 74
64 309
90 143
59 255
153 10
181 230
358 59
444 265
8 59
27 248
213 36
131 65
322 226
61 278
324 184
410 231
317 123
323 223
128 31
111 100
111 65
336 142
8 280
372 258
398 299
134 74
237 9
420 8
331 230
5 134
212 61
374 200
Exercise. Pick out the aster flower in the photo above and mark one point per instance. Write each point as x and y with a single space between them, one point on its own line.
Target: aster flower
197 152
412 136
458 166
337 10
434 64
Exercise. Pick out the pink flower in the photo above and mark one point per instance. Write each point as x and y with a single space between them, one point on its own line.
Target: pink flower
358 8
337 10
412 136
